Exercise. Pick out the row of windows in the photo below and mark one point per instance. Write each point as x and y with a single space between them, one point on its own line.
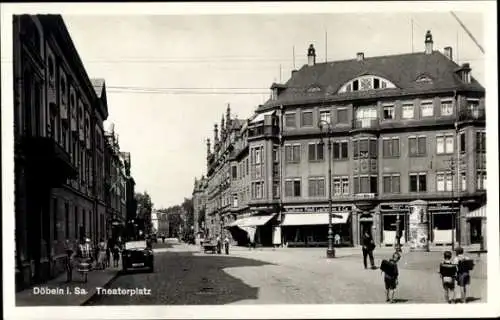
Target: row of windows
427 109
369 184
368 147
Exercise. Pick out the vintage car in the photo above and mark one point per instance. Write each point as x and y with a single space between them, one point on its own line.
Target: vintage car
137 255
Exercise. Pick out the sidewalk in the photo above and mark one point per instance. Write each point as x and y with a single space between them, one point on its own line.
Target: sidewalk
61 293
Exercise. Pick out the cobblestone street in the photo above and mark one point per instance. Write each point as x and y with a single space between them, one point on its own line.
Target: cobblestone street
265 276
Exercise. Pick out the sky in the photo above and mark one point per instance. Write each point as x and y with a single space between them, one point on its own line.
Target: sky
170 78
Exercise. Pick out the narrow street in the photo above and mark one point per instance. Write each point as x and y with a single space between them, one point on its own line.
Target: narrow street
184 276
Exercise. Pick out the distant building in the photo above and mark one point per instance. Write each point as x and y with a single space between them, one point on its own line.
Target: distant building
199 204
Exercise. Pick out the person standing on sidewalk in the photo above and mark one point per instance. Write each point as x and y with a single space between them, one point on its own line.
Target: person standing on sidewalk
368 246
70 250
84 255
226 244
219 244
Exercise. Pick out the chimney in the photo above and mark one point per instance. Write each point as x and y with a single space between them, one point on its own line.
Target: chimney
216 135
311 56
448 52
360 56
294 72
428 42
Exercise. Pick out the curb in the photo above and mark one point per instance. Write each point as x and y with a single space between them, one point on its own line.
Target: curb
93 293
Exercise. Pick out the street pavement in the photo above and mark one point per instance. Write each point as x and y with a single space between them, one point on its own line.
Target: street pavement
186 276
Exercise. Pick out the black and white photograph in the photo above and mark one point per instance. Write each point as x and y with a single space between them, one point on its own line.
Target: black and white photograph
250 160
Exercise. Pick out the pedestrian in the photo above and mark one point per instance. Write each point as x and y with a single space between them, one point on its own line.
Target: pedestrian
116 255
464 266
448 273
226 244
391 274
163 238
368 247
219 244
101 260
69 260
84 255
337 239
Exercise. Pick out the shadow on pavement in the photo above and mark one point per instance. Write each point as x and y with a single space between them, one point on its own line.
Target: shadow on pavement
400 300
182 278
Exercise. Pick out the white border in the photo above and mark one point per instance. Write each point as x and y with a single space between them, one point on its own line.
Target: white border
244 311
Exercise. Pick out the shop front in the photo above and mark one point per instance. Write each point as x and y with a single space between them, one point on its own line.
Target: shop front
256 228
308 226
476 220
394 220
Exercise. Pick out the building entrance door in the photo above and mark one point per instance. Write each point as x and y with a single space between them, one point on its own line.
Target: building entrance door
475 230
365 226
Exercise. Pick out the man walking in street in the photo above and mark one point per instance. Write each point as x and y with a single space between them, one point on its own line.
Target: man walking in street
219 244
368 246
226 244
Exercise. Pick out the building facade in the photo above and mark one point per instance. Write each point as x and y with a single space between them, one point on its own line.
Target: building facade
199 205
58 141
403 128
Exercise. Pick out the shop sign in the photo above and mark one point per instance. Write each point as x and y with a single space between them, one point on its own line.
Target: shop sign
394 207
318 209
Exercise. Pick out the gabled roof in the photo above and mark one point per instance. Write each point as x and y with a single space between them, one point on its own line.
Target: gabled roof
402 70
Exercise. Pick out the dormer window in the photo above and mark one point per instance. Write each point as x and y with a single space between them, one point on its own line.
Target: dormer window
424 79
365 83
314 89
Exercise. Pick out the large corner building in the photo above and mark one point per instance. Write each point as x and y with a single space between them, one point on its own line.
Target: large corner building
404 127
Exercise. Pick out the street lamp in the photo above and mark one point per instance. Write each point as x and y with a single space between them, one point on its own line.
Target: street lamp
328 130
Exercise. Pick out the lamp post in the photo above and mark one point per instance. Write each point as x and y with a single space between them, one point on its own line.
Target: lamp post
327 128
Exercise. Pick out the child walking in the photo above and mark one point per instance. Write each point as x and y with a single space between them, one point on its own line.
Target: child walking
391 274
464 266
448 272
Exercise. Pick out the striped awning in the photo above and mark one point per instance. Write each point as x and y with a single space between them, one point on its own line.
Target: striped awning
478 213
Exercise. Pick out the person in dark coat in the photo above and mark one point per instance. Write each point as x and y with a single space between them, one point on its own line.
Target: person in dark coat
368 245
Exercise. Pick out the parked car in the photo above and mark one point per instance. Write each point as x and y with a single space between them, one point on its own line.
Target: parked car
137 255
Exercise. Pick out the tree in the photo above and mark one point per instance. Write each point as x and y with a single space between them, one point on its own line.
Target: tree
188 209
144 211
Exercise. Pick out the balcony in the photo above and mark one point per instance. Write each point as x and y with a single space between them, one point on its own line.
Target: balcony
472 115
263 131
365 201
365 124
49 160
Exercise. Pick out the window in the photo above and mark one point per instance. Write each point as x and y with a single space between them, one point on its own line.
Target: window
340 186
248 166
316 151
366 113
365 184
446 108
340 150
407 111
473 107
275 154
235 200
463 181
316 187
390 147
234 172
418 182
391 183
462 142
368 82
365 148
481 180
444 145
292 188
325 116
290 120
66 217
292 153
418 146
388 112
55 217
480 142
444 181
342 116
276 189
258 157
307 119
427 109
257 190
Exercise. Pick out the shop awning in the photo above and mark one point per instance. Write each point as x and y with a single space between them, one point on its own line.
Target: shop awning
251 221
260 116
306 219
478 213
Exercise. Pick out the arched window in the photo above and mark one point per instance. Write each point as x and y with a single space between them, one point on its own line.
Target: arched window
367 82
